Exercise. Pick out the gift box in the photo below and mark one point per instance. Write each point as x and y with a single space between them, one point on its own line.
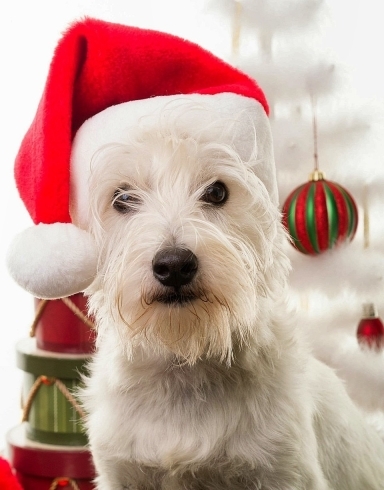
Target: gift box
50 408
47 467
63 325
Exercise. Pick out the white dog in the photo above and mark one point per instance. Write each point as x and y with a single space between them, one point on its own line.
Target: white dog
164 209
200 380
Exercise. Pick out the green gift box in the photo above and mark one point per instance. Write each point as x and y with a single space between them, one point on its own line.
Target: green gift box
51 410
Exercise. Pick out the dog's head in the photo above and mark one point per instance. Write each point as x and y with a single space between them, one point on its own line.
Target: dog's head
182 203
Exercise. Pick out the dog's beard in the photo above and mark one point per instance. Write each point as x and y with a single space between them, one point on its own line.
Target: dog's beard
228 302
201 319
222 305
190 323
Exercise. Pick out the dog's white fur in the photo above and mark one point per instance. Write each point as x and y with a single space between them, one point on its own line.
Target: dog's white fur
219 392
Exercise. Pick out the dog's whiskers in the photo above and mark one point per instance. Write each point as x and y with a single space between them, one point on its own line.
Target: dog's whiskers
222 302
191 307
119 301
204 296
135 320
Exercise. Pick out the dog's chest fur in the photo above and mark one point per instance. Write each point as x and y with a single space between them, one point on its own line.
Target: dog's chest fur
170 419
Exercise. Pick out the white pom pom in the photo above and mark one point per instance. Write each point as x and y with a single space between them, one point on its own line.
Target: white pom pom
53 261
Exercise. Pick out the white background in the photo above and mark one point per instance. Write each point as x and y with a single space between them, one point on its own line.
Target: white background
29 30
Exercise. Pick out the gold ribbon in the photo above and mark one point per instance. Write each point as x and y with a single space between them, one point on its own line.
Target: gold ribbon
70 304
49 381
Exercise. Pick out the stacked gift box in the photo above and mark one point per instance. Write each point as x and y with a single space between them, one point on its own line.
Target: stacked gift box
48 449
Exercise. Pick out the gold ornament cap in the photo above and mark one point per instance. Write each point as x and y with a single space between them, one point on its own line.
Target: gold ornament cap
370 310
316 175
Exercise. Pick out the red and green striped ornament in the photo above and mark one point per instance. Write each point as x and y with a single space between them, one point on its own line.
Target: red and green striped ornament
319 215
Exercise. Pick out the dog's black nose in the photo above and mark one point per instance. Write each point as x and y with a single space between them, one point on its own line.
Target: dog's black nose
174 267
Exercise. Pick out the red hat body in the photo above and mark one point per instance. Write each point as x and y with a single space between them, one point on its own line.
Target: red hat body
96 65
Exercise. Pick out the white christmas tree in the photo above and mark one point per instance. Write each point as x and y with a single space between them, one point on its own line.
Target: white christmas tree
296 50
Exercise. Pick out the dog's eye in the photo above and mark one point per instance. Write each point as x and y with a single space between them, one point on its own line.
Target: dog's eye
215 193
124 200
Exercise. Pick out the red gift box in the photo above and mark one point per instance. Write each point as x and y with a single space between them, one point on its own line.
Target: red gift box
42 466
63 325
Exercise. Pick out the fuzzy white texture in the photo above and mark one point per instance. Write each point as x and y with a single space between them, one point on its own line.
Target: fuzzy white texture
340 271
216 390
117 124
303 79
331 329
273 15
330 288
330 58
346 133
52 261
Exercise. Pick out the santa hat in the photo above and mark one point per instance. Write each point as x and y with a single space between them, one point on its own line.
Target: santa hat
96 68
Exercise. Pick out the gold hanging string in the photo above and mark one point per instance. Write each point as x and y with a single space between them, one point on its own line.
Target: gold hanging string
40 310
76 311
316 174
31 395
60 480
49 381
236 27
70 304
265 40
315 146
68 395
366 217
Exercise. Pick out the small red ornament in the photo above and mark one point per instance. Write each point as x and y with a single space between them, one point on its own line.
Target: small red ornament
370 330
319 215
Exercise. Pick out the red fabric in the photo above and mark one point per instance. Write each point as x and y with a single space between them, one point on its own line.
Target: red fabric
98 64
8 480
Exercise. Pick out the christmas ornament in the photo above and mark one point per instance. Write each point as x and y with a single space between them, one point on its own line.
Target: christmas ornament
370 330
319 214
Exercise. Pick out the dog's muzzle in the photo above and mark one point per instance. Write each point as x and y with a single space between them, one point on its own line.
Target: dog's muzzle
174 268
